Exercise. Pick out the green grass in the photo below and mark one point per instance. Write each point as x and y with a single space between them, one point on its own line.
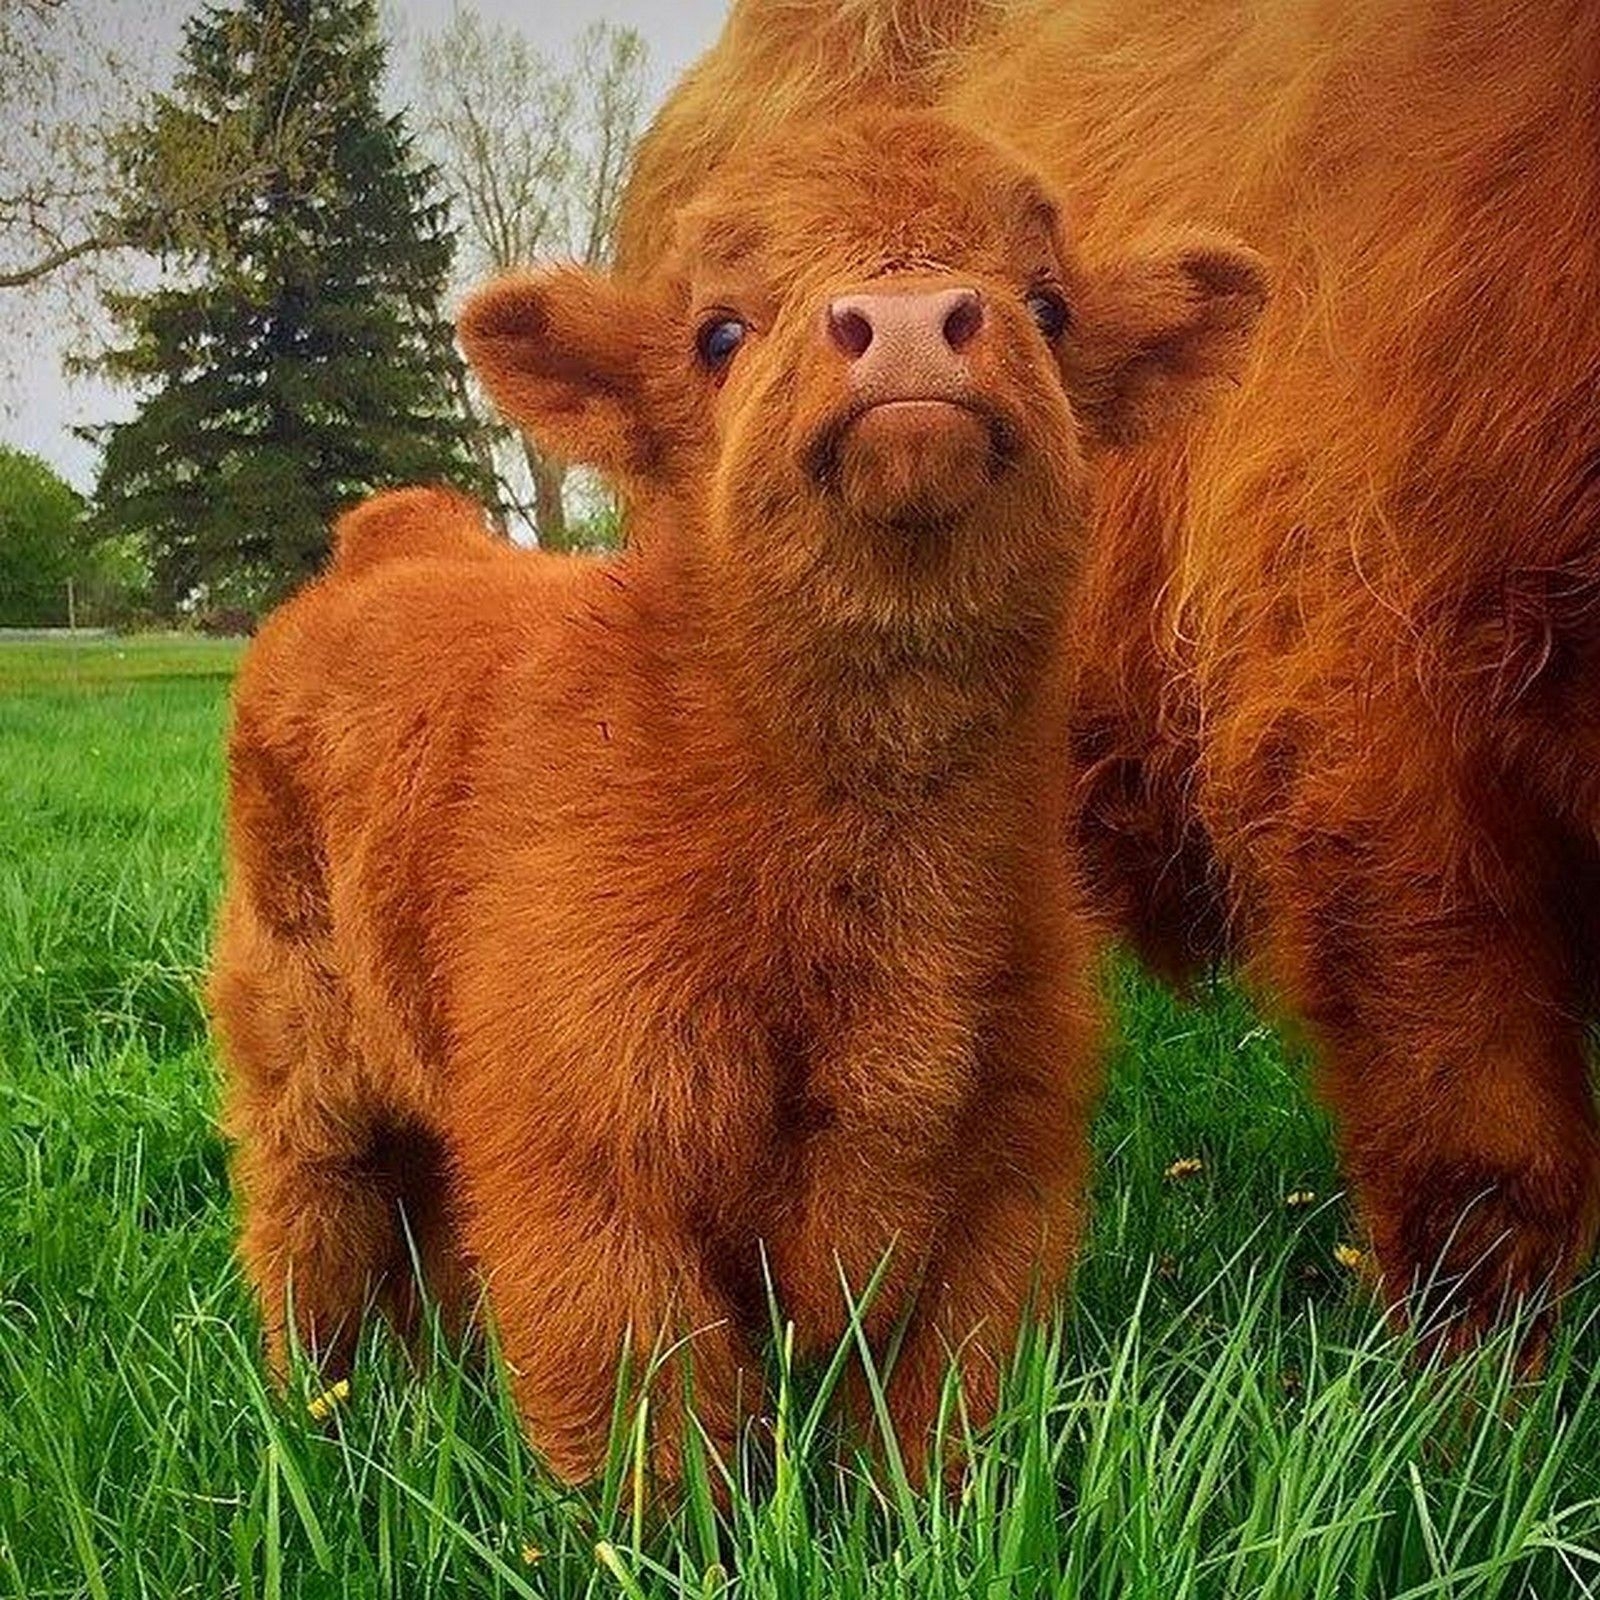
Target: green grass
1216 1414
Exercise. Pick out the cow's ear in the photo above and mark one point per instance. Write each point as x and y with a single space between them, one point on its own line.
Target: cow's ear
563 354
1160 329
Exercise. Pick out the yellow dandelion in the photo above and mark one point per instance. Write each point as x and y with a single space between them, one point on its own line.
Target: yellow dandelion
1186 1168
1300 1199
1352 1259
532 1555
329 1401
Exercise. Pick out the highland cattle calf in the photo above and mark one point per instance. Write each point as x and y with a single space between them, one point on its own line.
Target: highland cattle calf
1339 706
614 932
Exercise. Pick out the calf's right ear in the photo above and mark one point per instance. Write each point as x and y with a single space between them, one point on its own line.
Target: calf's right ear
561 354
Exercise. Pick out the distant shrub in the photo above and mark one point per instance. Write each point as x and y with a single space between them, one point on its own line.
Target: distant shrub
232 602
40 542
114 585
227 622
46 543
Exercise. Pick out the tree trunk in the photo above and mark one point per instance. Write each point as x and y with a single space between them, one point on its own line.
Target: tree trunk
549 510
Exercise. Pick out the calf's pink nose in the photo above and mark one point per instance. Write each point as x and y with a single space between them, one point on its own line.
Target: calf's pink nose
906 343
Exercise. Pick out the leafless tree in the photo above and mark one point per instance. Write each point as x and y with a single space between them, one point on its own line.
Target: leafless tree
610 81
535 152
50 188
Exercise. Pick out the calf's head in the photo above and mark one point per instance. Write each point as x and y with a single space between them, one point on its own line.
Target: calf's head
866 388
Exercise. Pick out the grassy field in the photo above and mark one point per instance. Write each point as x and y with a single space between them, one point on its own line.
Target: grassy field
1217 1413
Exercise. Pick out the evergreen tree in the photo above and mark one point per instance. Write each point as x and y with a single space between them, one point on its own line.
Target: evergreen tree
295 352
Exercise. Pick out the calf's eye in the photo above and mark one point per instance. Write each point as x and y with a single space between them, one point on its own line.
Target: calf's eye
1050 311
718 339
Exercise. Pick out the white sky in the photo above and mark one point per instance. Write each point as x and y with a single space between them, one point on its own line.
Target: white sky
40 404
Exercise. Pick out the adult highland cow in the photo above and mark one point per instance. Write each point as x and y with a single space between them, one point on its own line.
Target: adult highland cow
1339 702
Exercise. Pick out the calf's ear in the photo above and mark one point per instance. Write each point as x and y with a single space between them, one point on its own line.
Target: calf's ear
1160 329
561 353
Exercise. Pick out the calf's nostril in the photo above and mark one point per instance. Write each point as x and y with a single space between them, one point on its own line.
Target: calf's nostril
850 330
964 320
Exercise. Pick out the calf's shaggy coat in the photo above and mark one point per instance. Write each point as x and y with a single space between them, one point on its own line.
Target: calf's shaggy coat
618 922
1339 699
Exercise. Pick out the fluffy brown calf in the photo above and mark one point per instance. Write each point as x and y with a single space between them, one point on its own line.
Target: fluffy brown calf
620 922
1341 641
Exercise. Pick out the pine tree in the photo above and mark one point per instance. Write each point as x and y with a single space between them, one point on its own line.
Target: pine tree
295 354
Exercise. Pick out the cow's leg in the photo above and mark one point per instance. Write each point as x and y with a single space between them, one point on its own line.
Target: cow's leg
1020 1161
872 1182
319 1232
857 1237
986 1222
1435 983
1134 729
577 1284
336 1220
1003 1258
319 1241
342 1210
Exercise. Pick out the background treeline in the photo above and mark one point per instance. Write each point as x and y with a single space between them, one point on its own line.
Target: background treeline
271 245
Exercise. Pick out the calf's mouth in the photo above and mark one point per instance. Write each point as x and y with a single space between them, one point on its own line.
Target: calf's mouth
913 461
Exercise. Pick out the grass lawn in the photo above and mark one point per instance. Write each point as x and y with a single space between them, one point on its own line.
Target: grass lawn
1216 1414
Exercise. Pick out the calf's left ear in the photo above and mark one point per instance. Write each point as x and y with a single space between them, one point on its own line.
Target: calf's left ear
1160 329
561 354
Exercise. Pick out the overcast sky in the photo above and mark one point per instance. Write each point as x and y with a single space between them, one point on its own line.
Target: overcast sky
39 404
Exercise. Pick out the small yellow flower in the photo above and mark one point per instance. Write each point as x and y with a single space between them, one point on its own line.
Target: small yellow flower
532 1555
1186 1168
1300 1199
1349 1257
329 1400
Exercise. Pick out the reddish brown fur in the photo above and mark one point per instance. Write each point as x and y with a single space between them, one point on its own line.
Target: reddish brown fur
410 523
624 920
1340 644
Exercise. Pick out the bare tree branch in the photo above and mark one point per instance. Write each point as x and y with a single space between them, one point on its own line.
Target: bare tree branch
535 155
94 164
611 89
43 266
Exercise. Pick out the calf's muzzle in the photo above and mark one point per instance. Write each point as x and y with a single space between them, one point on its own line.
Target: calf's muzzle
906 344
915 441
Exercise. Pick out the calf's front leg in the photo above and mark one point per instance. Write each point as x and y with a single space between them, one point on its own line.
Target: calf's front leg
980 1226
870 1190
1002 1257
578 1282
